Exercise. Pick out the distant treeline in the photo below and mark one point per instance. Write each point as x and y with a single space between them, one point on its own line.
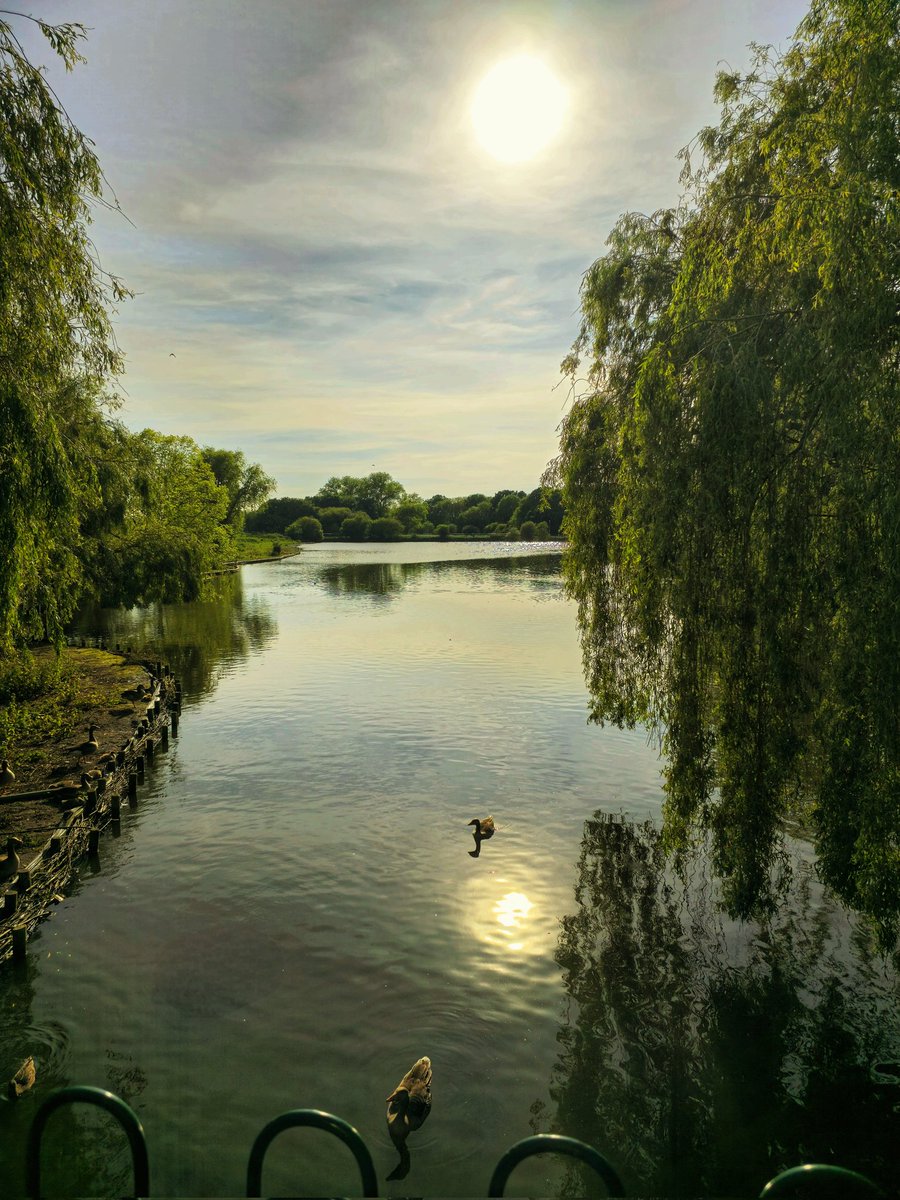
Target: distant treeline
378 508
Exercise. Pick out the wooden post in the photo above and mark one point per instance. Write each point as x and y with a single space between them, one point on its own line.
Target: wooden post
115 806
19 943
132 786
56 841
164 737
10 902
174 724
149 749
139 763
94 841
23 882
157 706
120 758
89 803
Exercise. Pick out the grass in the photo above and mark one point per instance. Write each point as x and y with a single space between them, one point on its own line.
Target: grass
262 545
41 699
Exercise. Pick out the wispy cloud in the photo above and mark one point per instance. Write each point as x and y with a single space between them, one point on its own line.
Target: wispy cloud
344 277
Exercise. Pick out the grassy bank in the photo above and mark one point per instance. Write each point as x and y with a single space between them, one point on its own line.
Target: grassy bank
43 699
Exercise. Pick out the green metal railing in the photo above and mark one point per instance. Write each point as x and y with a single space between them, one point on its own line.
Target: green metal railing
820 1181
811 1181
542 1143
317 1120
115 1107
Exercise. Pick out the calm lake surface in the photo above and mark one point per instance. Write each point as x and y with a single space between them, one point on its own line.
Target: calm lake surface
292 915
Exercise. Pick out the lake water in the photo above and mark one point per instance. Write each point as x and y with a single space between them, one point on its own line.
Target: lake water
292 915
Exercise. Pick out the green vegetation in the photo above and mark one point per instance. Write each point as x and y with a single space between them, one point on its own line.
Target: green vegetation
305 529
249 546
730 476
89 510
354 509
42 699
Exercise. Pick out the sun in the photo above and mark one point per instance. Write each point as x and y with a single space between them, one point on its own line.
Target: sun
518 108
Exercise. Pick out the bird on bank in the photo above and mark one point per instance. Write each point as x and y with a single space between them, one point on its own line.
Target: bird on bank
22 1080
135 694
89 748
9 862
7 774
408 1106
484 828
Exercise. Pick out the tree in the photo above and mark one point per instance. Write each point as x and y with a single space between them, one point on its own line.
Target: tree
373 494
441 510
412 512
505 504
305 529
54 325
355 528
542 504
730 475
172 531
332 518
246 483
385 529
275 515
477 515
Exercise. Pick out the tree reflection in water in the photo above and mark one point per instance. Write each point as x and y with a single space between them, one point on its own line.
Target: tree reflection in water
541 571
200 640
703 1056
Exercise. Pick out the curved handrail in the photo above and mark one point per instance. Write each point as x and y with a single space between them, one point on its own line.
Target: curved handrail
554 1143
804 1181
318 1120
117 1108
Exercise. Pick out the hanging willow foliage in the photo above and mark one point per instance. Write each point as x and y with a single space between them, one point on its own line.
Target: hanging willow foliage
731 472
54 325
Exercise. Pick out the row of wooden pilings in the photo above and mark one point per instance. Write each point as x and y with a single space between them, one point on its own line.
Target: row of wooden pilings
93 809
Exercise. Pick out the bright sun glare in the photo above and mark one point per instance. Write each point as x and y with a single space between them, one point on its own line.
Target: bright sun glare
518 108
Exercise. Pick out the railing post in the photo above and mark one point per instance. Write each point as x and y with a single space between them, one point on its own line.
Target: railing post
317 1120
554 1143
822 1181
87 1095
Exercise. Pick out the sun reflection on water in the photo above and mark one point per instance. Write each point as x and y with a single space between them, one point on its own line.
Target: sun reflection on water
511 911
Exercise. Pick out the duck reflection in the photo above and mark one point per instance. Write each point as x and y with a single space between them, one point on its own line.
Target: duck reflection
483 830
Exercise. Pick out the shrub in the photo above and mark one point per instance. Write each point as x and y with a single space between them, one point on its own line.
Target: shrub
443 532
527 531
355 528
333 518
305 529
385 529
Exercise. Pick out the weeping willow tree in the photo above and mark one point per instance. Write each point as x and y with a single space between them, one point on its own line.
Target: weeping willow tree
730 467
54 325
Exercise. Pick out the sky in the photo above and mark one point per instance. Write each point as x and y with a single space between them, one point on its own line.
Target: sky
333 274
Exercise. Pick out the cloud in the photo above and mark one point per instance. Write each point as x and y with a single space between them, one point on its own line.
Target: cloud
342 272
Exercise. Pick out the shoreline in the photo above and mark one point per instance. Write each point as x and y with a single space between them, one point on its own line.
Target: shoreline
62 801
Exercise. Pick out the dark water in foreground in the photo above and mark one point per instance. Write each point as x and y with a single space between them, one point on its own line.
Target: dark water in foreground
292 916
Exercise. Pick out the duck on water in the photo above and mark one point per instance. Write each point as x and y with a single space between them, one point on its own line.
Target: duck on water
408 1106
